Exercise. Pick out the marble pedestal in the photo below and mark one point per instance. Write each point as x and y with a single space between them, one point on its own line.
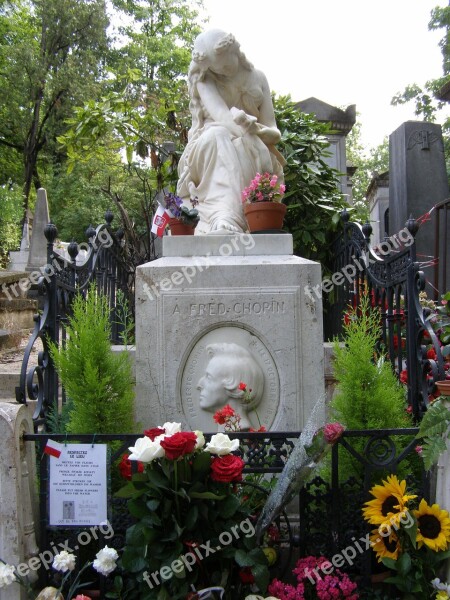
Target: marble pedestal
236 289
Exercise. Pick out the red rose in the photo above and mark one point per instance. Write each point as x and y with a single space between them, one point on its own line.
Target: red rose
332 432
242 386
154 433
404 376
179 444
125 467
227 468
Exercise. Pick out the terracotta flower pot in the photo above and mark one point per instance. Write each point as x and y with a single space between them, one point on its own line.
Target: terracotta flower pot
443 387
179 228
264 216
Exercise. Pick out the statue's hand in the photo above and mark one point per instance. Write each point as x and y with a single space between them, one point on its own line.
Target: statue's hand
241 118
269 135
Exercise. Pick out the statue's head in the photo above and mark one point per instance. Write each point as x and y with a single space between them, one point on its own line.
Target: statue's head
218 51
229 365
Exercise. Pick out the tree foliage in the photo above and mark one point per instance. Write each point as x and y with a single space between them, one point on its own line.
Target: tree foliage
367 164
50 59
313 197
10 216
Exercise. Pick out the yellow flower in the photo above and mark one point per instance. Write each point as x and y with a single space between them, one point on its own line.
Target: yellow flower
387 546
442 595
389 503
433 526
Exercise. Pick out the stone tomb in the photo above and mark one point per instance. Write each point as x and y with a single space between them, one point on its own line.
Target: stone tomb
241 293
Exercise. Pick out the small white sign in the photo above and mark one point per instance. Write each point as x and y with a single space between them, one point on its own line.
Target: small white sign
78 486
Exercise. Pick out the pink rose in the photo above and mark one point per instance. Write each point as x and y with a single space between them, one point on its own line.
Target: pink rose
332 432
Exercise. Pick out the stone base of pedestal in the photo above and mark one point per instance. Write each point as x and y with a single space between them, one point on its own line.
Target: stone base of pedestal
241 292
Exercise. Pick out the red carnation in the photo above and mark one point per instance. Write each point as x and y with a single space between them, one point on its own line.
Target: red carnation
154 433
222 415
179 444
242 386
227 468
125 467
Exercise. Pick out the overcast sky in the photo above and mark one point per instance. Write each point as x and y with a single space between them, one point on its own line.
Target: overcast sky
342 52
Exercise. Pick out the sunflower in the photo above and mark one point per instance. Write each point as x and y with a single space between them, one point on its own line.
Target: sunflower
387 546
433 526
389 503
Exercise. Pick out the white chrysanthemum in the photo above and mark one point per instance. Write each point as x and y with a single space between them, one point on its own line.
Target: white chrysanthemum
145 450
64 562
221 445
7 575
105 561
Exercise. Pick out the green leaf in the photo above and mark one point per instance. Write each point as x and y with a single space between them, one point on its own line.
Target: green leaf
244 559
206 496
158 480
261 575
132 561
229 506
404 564
202 464
390 563
191 517
127 491
411 530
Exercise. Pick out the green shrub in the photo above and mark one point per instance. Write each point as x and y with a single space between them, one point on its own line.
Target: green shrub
98 382
368 394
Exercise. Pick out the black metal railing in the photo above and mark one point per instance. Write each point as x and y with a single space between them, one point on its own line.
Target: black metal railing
329 516
59 281
390 275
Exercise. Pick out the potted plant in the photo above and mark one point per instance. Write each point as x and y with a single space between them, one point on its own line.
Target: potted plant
263 207
183 220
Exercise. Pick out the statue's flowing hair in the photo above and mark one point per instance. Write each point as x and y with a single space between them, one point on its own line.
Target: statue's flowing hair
206 46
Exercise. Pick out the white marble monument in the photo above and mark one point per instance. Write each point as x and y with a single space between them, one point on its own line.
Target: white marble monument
219 310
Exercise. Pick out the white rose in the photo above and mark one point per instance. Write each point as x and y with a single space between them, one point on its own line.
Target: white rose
105 561
64 562
145 450
7 575
171 428
200 440
221 444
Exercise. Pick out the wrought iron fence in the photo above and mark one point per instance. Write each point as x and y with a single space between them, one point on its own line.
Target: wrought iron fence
328 518
390 274
105 265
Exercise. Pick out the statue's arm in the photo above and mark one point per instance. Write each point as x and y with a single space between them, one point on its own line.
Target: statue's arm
267 127
216 106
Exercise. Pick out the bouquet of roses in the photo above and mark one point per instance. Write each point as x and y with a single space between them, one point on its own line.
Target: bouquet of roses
191 529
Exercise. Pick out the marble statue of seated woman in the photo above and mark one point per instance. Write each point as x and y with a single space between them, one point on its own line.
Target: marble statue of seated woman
233 133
